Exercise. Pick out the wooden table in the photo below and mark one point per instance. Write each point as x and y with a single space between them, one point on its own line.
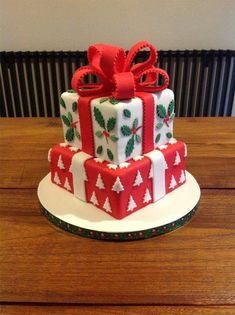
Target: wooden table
189 271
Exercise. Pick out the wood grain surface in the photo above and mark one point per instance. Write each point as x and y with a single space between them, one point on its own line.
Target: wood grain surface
189 271
116 310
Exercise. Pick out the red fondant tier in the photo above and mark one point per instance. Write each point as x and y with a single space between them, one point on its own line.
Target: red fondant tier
119 189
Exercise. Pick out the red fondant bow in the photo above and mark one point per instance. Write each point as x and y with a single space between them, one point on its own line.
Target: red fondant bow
116 74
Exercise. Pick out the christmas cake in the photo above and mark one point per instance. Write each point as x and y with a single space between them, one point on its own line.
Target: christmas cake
119 152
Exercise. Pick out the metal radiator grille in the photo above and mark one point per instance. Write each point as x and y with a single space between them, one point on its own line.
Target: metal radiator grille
31 82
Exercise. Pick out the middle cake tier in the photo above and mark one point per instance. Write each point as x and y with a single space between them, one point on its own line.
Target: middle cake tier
117 131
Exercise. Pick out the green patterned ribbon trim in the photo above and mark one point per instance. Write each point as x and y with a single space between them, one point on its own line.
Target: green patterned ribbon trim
125 236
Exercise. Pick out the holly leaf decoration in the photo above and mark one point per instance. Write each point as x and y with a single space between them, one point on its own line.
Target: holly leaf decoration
127 113
114 101
69 134
110 154
135 123
70 118
62 103
99 149
172 116
171 107
103 99
77 134
99 117
157 138
71 91
66 121
74 106
130 146
111 124
126 131
161 111
138 138
159 125
169 135
99 134
114 138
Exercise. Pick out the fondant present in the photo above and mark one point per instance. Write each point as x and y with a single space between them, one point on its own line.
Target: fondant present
121 129
124 115
119 189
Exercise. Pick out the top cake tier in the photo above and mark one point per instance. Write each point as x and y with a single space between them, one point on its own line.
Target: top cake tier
118 130
136 116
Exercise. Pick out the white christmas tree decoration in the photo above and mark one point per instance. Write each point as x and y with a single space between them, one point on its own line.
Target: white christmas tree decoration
163 147
173 141
182 177
107 205
185 150
63 145
177 159
117 186
60 163
49 156
99 160
70 168
151 172
138 179
124 165
57 179
138 158
73 149
112 166
85 175
147 196
94 199
131 204
66 184
99 182
172 183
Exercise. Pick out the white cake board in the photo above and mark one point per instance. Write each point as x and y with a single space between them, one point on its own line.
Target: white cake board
78 217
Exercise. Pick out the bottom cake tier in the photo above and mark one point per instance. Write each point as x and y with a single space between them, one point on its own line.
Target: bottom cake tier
119 189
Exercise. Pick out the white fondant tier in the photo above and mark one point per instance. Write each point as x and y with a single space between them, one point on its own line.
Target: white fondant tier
118 125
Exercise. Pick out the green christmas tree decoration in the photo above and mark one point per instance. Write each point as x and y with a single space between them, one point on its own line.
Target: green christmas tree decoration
62 103
74 106
66 120
111 124
157 138
127 113
99 150
69 134
71 91
110 154
99 117
126 131
161 111
130 146
172 116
